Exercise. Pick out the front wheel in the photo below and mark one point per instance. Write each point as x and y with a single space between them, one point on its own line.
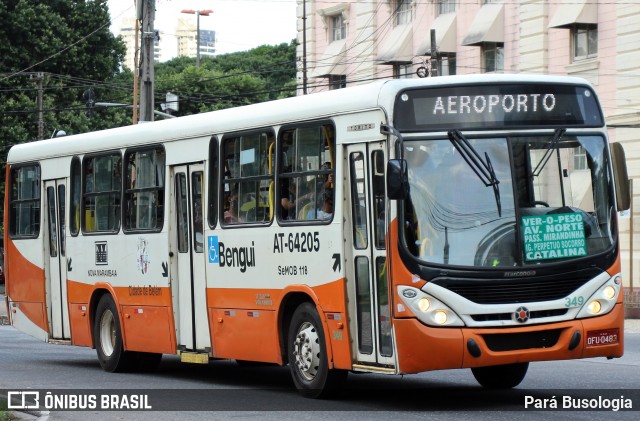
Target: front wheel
501 376
307 350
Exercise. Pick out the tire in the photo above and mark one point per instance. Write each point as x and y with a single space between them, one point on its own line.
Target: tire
306 349
500 376
107 338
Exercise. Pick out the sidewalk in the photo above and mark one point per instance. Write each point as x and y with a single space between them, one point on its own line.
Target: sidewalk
4 320
632 326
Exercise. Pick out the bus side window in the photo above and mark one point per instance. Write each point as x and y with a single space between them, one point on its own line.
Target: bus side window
144 191
378 180
306 173
359 200
24 202
213 183
74 211
101 193
247 178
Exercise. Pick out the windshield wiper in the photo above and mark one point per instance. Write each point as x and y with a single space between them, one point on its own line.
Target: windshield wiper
552 147
482 168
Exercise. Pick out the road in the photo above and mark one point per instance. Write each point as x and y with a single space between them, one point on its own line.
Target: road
229 391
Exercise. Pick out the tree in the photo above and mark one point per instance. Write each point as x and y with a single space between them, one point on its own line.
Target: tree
70 45
261 74
275 64
65 46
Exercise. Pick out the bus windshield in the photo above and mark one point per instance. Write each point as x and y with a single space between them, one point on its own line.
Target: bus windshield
547 199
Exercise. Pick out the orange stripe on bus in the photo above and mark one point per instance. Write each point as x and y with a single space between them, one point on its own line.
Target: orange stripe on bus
151 330
29 292
235 335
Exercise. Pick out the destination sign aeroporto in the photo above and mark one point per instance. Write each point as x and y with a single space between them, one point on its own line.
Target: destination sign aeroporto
497 106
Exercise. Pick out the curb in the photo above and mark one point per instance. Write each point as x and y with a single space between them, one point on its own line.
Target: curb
24 415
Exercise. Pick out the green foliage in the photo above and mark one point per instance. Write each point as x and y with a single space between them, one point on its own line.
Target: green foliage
262 74
70 45
275 64
5 415
63 46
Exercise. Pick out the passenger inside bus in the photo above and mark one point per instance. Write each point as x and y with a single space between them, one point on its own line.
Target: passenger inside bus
326 210
287 198
328 181
231 208
306 172
324 191
289 202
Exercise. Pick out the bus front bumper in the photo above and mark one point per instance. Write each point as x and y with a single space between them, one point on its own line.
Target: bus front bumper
423 348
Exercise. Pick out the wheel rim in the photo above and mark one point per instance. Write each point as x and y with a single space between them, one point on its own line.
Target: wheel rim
306 351
107 333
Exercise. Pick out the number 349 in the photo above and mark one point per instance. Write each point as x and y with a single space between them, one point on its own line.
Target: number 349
573 301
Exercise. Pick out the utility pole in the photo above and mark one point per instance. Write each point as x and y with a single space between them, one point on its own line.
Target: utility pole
197 38
40 105
434 54
136 71
146 83
304 47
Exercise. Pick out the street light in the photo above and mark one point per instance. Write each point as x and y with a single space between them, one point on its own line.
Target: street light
197 13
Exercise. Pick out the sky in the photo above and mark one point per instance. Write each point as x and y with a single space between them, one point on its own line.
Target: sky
240 25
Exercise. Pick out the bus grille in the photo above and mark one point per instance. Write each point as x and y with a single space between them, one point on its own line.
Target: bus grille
533 315
506 291
527 340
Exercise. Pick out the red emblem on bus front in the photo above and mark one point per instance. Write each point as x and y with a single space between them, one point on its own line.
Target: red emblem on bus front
522 314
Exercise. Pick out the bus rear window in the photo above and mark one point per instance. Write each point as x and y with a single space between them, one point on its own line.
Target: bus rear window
24 202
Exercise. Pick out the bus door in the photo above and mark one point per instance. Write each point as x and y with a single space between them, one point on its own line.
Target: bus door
55 259
366 254
188 284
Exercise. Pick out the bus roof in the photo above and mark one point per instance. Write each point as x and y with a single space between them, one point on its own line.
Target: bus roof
308 107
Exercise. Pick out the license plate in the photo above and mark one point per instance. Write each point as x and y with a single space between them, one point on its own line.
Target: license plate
603 337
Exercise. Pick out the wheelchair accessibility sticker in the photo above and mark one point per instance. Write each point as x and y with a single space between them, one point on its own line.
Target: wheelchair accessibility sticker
212 241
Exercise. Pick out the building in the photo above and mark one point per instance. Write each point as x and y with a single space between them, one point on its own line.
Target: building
186 34
353 42
128 34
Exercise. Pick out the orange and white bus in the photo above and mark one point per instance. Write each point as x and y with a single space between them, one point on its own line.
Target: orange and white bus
396 227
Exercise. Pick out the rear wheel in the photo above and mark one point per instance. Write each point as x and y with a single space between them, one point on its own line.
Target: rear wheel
306 347
501 376
107 338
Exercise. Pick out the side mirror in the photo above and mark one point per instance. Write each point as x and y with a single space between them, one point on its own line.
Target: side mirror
397 179
620 176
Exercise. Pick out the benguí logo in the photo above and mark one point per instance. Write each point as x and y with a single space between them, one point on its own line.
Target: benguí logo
240 257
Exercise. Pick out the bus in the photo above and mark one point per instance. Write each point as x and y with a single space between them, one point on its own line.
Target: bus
396 227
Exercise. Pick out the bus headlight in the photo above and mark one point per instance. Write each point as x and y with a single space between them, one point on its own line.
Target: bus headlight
424 304
440 317
609 292
428 309
594 307
603 300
